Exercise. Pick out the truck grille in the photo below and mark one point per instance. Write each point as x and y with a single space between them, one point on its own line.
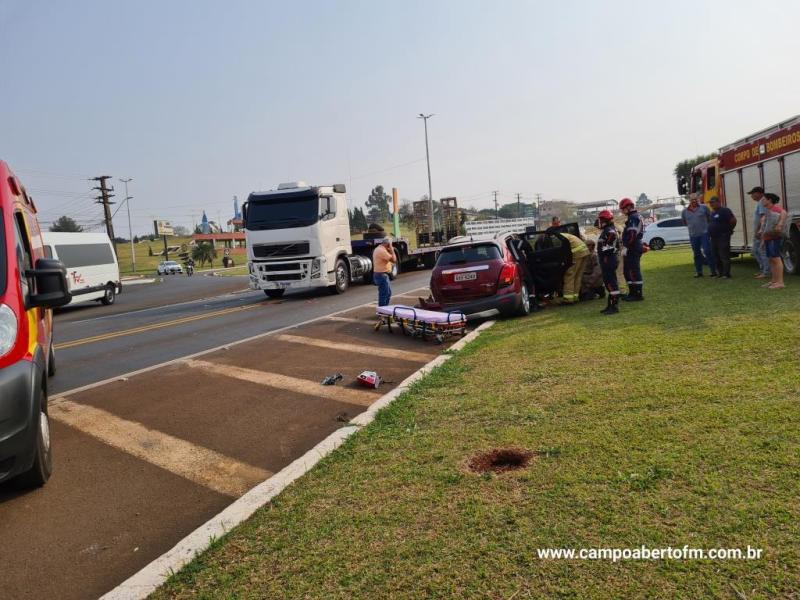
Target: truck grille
281 267
285 277
280 250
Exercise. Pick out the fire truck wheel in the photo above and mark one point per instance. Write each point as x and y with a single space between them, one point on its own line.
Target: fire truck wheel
791 253
274 293
656 244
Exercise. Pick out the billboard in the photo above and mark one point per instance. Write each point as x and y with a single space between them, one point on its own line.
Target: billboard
163 228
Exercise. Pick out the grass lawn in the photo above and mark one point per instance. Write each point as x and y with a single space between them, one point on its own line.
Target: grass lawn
673 423
146 265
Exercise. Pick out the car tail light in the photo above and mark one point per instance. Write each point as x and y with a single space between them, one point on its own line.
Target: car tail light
507 275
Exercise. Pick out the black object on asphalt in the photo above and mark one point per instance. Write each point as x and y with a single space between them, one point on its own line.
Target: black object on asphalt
332 379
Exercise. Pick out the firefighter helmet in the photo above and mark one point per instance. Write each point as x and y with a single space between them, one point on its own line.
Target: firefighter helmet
605 215
625 203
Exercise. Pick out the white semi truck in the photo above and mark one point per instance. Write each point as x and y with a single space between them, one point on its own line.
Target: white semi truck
298 236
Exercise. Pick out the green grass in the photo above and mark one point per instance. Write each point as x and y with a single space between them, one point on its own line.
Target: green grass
146 265
675 422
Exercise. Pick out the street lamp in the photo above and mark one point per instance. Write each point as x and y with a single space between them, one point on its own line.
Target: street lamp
130 230
428 159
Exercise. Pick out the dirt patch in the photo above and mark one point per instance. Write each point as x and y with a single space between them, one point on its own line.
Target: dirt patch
500 460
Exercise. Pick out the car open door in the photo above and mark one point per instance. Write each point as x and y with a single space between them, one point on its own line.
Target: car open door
549 255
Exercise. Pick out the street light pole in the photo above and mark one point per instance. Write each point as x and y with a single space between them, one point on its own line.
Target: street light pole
130 230
428 159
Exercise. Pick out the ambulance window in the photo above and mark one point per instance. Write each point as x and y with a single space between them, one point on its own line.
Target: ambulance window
711 178
23 252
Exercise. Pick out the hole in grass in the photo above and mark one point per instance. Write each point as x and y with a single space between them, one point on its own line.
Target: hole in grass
500 460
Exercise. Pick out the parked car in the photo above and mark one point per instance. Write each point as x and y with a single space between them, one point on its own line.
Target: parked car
30 285
169 267
92 269
666 232
499 274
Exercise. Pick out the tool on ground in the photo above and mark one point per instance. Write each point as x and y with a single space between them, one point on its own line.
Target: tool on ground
369 379
332 379
422 323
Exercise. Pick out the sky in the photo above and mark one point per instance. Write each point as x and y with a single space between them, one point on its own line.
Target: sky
200 101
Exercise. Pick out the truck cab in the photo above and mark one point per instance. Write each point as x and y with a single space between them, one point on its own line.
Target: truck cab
30 285
298 236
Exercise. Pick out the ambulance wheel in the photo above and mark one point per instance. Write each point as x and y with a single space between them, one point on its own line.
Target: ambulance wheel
342 278
109 296
274 294
51 361
42 466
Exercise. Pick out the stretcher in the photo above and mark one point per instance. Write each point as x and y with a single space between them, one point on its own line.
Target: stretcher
421 323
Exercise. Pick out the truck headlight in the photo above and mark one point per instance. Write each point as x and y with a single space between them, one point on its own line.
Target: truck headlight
8 329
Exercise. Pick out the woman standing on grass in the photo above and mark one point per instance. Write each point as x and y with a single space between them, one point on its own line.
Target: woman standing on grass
772 237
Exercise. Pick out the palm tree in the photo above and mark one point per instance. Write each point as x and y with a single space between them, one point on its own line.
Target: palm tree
203 253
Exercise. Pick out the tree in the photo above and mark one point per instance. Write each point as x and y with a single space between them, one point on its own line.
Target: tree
406 211
643 200
378 205
65 223
683 171
136 239
204 252
358 220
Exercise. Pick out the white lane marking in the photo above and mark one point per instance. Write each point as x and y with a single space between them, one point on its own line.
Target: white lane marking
384 351
352 320
123 376
146 581
285 382
190 461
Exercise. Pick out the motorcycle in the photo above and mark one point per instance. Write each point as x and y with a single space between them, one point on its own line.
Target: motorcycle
189 270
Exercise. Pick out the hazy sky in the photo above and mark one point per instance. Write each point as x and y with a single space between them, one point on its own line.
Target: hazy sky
199 101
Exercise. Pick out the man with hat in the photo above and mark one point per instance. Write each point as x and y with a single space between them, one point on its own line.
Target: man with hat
382 260
756 194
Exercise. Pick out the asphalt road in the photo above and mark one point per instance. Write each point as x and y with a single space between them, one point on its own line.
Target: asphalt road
141 461
162 322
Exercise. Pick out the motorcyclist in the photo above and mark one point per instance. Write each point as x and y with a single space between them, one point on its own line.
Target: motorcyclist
190 267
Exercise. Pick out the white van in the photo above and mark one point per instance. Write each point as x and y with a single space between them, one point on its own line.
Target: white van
92 268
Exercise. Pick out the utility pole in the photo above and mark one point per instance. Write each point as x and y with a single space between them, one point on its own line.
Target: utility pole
104 199
519 206
538 199
130 229
428 159
496 213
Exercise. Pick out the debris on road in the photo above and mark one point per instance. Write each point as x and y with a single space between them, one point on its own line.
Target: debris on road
369 379
332 379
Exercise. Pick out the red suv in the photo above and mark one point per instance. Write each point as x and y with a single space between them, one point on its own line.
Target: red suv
481 277
501 274
30 284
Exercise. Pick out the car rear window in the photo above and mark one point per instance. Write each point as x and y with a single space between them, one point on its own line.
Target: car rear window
466 254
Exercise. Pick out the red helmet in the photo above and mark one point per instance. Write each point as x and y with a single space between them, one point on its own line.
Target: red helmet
605 215
625 203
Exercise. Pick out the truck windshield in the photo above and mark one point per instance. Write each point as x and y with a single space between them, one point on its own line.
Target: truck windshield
282 211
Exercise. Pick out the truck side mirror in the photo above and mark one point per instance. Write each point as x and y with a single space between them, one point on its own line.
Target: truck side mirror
244 215
50 277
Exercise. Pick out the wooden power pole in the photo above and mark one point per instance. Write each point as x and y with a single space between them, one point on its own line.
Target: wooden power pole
105 199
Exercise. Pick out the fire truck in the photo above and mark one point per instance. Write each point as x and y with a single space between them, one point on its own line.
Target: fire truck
770 159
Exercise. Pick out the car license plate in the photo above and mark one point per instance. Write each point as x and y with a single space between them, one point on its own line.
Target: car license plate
465 276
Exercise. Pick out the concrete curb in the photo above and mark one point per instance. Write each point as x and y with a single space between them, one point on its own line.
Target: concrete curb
148 579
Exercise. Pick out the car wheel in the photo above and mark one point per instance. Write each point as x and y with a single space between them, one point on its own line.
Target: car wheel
51 361
524 301
110 296
274 293
342 278
656 244
42 466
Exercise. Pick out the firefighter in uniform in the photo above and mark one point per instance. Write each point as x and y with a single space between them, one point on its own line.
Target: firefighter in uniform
632 240
608 254
571 287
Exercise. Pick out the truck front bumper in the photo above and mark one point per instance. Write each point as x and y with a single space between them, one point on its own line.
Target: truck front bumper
287 274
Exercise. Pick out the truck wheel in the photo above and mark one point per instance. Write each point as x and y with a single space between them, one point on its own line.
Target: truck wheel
110 295
274 293
51 361
656 244
790 252
429 260
42 467
342 276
